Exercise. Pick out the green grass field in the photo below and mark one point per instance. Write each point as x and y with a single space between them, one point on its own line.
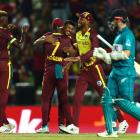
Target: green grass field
64 137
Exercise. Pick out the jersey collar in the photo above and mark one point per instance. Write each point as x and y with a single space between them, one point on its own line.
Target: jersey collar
125 28
86 31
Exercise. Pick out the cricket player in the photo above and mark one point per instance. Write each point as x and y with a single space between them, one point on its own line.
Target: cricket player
91 70
54 76
120 86
7 41
68 30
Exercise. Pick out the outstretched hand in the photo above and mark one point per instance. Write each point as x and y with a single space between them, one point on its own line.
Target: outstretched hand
98 54
101 53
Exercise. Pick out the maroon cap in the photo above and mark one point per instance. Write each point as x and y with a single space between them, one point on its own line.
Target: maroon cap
87 15
57 23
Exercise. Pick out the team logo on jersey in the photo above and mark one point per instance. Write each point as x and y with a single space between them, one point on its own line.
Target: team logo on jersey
128 43
86 36
99 83
123 80
118 47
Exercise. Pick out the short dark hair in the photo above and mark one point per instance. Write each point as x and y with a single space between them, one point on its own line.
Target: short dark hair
69 22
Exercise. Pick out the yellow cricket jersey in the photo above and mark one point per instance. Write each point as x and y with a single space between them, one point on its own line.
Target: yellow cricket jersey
83 42
84 45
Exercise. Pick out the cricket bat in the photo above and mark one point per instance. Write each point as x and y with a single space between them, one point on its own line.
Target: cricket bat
136 65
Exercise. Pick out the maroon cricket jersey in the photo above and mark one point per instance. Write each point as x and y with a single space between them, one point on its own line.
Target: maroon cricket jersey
54 53
5 37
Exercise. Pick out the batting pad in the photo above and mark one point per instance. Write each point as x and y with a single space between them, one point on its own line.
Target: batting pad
130 107
107 107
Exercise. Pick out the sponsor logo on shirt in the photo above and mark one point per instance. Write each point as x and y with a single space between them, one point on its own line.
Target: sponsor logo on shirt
118 47
123 80
99 83
86 36
128 43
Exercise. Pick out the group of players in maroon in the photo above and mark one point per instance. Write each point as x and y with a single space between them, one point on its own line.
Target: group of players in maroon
62 47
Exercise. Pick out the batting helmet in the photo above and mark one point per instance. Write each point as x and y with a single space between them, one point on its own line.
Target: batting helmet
119 14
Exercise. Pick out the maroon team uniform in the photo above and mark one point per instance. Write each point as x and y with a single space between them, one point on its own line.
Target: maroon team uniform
91 71
5 72
53 78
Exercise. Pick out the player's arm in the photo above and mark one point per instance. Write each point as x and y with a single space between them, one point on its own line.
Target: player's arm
40 41
18 36
70 50
125 53
102 54
24 30
89 54
120 55
74 55
73 51
67 66
86 56
47 38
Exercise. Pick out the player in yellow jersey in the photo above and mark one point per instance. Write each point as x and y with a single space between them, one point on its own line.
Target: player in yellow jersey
91 71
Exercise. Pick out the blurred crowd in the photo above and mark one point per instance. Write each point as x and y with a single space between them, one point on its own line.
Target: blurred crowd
28 63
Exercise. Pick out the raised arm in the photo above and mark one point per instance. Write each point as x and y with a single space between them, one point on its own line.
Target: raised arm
45 38
40 41
18 35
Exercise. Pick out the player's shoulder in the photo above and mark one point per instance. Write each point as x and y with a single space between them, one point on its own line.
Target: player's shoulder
5 32
58 35
47 33
127 30
92 31
65 38
128 33
78 32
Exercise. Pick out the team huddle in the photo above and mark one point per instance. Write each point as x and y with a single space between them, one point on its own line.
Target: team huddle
63 47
